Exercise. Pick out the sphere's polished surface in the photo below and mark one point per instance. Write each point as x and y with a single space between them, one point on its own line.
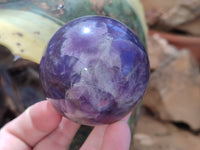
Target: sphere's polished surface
94 70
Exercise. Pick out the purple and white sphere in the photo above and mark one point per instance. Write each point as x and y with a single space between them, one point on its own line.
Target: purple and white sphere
94 70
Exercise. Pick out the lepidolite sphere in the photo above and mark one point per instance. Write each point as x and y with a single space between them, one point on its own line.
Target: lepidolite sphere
94 70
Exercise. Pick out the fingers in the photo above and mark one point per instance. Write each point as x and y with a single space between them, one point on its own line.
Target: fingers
41 126
8 141
33 125
95 138
117 137
119 130
60 138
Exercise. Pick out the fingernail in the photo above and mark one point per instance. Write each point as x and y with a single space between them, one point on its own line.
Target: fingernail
52 108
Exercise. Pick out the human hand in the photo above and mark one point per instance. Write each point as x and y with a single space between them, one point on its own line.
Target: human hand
41 127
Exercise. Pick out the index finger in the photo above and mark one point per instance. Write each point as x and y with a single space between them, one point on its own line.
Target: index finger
31 126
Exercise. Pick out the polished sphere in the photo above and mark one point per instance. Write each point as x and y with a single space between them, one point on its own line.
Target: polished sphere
94 70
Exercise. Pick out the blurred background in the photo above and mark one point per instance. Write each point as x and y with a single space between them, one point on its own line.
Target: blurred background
169 118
